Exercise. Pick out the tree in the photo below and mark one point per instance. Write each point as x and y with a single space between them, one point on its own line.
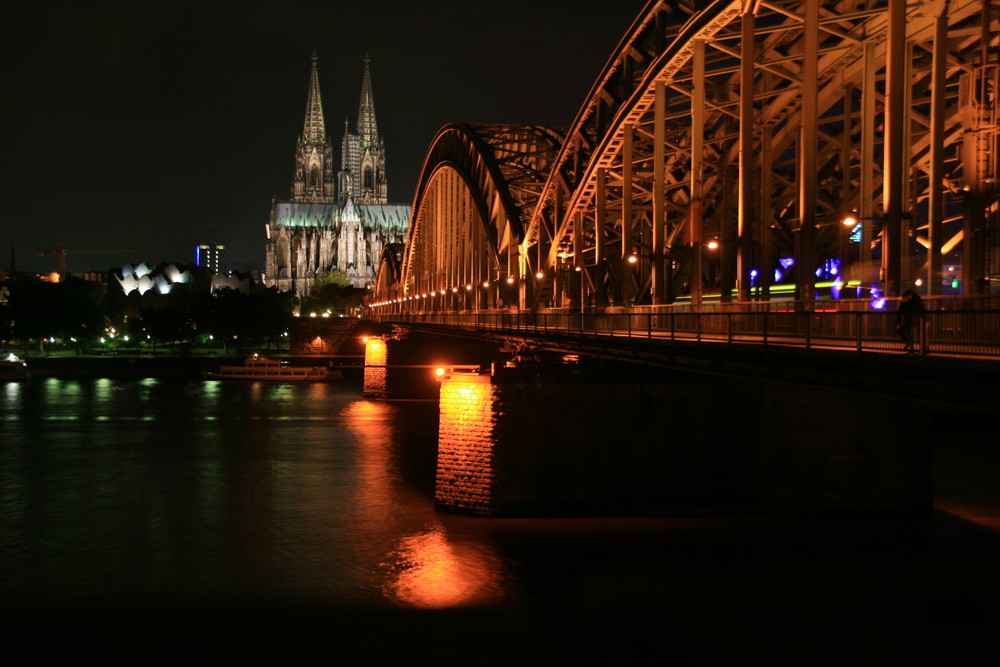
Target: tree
336 278
70 309
333 291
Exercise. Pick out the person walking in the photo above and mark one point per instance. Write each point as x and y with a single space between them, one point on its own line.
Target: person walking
908 316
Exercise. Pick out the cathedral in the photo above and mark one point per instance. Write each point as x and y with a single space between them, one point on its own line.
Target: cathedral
334 223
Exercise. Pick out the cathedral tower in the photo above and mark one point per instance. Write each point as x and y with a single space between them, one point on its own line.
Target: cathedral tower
321 228
313 180
363 154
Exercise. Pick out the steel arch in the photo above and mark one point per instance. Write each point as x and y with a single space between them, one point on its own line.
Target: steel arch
478 187
758 125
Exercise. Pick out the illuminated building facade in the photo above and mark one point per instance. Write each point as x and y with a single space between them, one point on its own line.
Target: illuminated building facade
332 223
209 255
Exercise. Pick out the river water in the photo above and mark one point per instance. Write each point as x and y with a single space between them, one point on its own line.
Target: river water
155 519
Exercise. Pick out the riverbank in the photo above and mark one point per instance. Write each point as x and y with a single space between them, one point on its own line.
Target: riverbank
125 366
148 365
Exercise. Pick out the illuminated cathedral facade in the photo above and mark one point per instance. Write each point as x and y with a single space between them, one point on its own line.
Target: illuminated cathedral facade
334 221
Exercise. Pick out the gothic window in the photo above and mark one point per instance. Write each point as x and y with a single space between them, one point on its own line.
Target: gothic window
314 176
368 180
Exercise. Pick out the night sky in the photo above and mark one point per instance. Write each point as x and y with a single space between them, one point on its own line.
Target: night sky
138 127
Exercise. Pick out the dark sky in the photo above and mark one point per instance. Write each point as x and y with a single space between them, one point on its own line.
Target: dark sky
139 126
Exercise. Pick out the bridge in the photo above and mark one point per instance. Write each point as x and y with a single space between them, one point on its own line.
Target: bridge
743 173
717 159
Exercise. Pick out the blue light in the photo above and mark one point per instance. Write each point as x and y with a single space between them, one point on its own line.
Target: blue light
778 275
786 262
855 236
878 301
819 272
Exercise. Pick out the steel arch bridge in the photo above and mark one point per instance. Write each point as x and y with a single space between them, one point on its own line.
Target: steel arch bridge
724 140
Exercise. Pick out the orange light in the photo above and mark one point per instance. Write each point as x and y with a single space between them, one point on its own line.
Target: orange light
712 245
632 259
510 280
439 372
850 221
486 283
539 275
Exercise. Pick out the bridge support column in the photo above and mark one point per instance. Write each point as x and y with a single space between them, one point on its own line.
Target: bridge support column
403 365
530 442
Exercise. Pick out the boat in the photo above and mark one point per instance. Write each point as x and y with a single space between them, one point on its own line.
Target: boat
12 367
261 367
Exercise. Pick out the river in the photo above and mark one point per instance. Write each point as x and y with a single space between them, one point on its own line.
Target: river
164 519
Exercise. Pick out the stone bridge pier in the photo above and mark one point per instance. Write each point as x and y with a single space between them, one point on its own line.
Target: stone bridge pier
536 442
547 437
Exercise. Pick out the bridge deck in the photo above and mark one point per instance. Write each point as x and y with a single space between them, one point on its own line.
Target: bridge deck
973 334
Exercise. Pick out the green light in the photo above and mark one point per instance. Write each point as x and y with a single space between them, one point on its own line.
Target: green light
954 283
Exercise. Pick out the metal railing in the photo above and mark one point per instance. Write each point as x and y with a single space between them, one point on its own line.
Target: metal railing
974 333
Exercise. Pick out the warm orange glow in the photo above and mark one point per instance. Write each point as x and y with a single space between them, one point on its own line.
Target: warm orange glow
432 572
850 221
632 259
375 353
510 279
486 283
712 245
439 372
539 275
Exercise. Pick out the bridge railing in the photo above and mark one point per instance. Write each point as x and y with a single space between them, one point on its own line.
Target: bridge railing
966 332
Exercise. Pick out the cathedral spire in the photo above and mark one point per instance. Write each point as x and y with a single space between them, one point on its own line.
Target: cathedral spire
313 179
367 127
314 130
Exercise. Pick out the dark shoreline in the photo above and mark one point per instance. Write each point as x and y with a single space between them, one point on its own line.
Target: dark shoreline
146 366
125 366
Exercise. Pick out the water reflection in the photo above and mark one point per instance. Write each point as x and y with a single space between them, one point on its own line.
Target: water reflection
428 571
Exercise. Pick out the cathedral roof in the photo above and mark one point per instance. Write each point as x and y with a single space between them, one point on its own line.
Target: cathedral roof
386 215
302 214
309 214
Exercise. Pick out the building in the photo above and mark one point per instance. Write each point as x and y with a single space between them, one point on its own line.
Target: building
210 256
328 223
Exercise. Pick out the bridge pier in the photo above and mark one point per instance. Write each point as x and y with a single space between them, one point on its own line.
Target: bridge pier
403 364
530 442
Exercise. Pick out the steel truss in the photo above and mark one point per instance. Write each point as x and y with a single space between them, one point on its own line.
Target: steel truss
721 138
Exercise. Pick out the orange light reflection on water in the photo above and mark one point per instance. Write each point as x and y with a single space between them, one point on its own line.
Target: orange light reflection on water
429 572
424 570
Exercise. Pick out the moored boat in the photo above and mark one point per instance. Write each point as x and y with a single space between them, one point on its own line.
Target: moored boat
260 367
12 367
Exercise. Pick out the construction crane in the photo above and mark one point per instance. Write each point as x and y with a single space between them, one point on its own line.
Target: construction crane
62 252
